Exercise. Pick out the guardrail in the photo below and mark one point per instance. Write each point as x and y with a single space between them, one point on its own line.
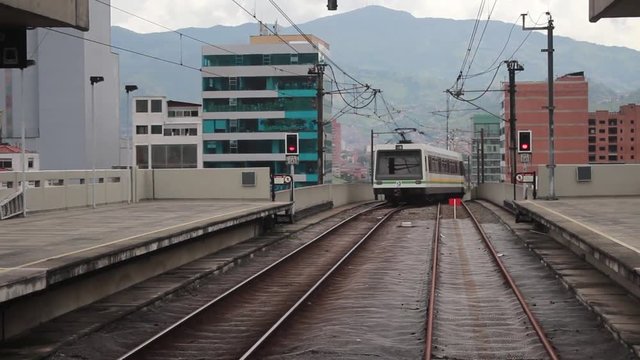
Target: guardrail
12 205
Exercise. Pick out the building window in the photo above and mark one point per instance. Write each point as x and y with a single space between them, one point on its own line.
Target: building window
601 122
156 106
592 122
156 129
592 131
142 106
30 163
632 129
613 148
601 131
613 157
613 122
5 164
621 157
142 129
631 157
174 156
592 139
601 148
592 148
142 156
592 158
602 157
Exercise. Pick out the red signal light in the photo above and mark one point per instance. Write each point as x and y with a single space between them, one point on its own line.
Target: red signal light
291 144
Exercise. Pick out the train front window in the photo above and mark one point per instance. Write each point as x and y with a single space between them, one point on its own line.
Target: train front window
394 164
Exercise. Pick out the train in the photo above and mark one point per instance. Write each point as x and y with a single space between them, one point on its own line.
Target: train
417 173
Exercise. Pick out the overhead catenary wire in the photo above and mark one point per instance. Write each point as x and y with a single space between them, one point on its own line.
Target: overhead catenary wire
182 34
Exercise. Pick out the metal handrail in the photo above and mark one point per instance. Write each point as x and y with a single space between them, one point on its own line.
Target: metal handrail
12 205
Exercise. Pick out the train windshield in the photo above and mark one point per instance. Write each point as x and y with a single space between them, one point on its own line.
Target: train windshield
398 164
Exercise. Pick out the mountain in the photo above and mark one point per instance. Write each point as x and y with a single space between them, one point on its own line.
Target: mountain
413 60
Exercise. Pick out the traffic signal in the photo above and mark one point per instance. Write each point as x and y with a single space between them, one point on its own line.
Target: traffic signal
332 5
524 141
291 144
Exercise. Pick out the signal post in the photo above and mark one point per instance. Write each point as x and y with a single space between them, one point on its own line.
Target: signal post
292 153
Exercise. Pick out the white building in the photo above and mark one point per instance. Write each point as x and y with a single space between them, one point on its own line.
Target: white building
11 159
57 95
167 134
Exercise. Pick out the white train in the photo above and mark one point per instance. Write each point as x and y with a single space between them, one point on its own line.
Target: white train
417 172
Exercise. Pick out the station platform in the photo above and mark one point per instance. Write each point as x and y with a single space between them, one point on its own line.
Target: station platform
603 230
44 250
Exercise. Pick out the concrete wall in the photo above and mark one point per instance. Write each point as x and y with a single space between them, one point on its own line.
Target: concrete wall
606 180
50 190
209 184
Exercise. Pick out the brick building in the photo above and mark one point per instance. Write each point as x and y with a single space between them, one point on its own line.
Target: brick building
570 121
613 136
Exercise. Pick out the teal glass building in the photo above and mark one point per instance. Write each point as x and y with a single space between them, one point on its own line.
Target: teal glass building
254 94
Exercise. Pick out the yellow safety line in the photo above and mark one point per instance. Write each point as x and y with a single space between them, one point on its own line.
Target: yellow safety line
120 240
587 226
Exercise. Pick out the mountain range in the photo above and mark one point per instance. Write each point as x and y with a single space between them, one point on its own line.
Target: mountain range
412 60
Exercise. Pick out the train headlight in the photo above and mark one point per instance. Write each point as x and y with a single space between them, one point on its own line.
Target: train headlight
418 181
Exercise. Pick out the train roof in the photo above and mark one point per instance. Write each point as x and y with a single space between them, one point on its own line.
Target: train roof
425 147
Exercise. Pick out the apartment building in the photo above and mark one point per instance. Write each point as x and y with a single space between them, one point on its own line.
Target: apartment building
167 134
613 136
254 94
486 151
571 103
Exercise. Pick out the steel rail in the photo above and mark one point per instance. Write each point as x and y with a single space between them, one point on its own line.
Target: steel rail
432 292
304 297
536 326
131 354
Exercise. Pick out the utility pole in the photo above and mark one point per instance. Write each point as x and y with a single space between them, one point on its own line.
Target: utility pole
318 70
549 50
513 66
447 94
482 153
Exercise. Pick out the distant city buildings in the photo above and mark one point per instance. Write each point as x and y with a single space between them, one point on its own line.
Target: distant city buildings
167 134
54 97
253 94
581 137
570 121
487 147
613 136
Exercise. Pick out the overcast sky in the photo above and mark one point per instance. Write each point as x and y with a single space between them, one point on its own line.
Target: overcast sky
570 16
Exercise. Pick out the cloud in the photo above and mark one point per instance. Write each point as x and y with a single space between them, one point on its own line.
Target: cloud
570 16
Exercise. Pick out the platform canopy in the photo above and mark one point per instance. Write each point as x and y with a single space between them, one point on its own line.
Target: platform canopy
45 13
599 9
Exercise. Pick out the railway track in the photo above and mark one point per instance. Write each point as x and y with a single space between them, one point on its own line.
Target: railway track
475 309
235 324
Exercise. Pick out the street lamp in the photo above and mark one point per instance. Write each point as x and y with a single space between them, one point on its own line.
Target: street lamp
128 89
93 80
23 138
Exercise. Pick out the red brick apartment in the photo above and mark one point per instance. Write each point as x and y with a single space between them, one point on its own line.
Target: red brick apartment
613 135
571 102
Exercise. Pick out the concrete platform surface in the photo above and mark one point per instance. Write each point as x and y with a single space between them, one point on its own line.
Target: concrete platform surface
602 229
46 248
